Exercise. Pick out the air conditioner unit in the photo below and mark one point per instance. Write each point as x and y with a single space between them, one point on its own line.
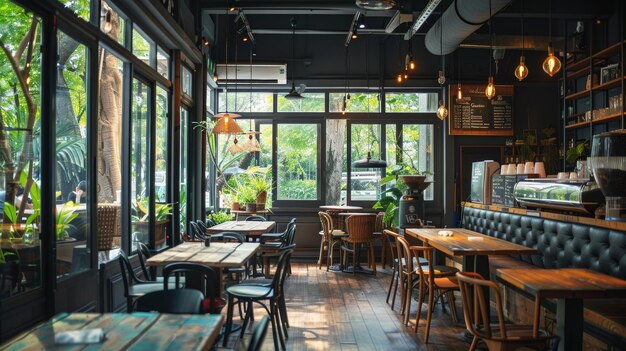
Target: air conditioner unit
259 74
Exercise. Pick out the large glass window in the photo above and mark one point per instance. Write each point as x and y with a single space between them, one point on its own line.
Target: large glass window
184 133
411 102
161 149
358 102
20 133
258 102
143 48
312 102
365 182
80 7
139 190
163 63
187 81
417 151
72 230
297 161
111 23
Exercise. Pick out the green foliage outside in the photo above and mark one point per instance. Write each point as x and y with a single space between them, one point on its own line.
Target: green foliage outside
312 102
358 102
297 162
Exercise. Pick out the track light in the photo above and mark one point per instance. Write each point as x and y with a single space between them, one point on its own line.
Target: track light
231 9
355 34
361 21
245 38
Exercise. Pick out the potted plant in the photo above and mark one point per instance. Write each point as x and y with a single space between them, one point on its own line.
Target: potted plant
140 217
576 155
260 183
247 195
220 217
65 216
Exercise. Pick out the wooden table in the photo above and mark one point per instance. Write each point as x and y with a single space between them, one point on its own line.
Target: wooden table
136 331
569 286
340 208
238 213
474 248
218 255
247 228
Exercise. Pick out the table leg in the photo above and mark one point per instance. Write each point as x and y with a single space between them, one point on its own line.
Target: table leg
569 324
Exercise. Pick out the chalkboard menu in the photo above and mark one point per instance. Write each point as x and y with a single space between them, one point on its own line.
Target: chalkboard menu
475 114
497 189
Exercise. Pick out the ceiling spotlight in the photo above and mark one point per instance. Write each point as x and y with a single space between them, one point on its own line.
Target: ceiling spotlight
231 9
354 34
205 42
361 22
245 39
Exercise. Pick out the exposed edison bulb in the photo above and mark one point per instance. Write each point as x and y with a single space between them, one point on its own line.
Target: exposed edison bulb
490 90
459 93
412 64
552 64
399 78
521 71
405 75
442 111
343 106
442 79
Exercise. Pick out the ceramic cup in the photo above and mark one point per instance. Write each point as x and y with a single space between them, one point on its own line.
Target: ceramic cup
573 175
503 169
529 167
540 169
510 169
563 175
520 168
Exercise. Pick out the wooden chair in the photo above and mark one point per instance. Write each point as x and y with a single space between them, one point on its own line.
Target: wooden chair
108 225
360 231
500 336
434 281
330 237
378 234
390 238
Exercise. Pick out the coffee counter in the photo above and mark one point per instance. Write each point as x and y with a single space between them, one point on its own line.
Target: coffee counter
615 225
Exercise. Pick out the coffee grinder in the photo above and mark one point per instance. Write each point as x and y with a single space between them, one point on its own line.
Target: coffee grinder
608 162
412 202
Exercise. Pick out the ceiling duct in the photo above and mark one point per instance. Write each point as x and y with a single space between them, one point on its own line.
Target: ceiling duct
376 5
255 74
461 19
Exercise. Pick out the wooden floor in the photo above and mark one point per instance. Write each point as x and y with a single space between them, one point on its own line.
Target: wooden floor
336 311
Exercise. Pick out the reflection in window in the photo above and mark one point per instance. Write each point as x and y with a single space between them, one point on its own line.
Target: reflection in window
163 63
297 161
79 7
411 102
184 133
313 102
20 253
72 230
160 163
187 82
143 49
259 102
336 170
365 183
139 190
111 23
358 102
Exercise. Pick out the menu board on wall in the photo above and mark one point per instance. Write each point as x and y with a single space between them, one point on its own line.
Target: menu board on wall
475 114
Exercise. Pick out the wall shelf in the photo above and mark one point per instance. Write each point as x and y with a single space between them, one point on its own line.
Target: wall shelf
577 125
608 117
609 85
582 63
609 51
578 95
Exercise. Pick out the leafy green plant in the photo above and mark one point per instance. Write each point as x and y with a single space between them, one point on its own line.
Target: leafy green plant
577 151
65 216
140 211
220 217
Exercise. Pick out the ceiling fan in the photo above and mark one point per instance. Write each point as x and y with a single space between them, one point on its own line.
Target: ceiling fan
376 5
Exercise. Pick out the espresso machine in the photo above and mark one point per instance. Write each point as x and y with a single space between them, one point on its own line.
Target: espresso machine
608 163
412 202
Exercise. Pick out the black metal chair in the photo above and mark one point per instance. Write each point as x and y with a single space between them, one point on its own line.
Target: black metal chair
143 253
271 249
240 272
133 286
196 232
255 218
203 274
177 301
248 293
210 223
258 335
269 237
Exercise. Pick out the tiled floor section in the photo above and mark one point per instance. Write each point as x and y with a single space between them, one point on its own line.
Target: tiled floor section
336 311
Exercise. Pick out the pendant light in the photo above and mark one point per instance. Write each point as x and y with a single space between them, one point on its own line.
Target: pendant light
252 143
490 90
409 62
235 148
225 123
346 96
551 65
368 162
293 93
459 92
442 111
521 71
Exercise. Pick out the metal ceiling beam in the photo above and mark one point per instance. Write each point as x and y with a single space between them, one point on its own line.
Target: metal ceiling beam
421 19
322 32
397 20
353 29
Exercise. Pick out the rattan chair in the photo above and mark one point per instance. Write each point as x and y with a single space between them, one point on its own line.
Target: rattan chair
108 225
330 237
360 232
500 336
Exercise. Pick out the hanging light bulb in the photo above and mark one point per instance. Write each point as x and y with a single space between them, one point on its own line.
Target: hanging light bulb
399 78
552 64
442 79
235 147
252 144
521 71
344 104
411 63
442 111
459 93
405 75
490 90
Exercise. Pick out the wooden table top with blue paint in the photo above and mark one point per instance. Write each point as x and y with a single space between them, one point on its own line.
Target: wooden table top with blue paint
122 331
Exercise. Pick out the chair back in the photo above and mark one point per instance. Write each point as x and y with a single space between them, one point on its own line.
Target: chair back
278 280
228 237
201 225
177 301
380 224
405 261
128 274
290 235
327 224
209 275
197 233
143 253
108 225
255 218
391 238
478 307
210 223
258 334
361 228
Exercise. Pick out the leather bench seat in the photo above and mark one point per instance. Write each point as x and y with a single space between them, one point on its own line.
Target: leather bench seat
561 245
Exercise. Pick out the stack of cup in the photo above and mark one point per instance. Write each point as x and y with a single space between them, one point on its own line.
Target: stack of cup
520 168
529 168
540 169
